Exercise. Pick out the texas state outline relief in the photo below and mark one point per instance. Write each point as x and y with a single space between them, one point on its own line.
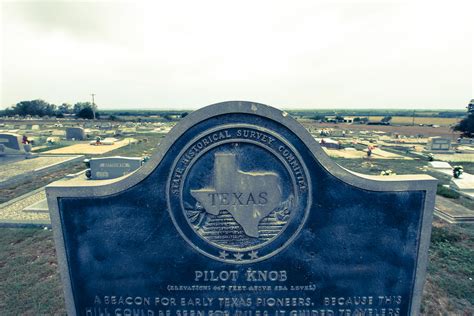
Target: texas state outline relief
248 196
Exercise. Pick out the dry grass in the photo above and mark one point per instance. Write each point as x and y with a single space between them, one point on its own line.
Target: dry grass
406 130
29 279
442 121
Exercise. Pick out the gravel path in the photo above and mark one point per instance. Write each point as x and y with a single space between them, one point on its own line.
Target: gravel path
12 211
28 165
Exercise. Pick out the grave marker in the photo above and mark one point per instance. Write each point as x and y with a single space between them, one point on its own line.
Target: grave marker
11 144
439 143
75 133
112 167
466 141
11 141
241 213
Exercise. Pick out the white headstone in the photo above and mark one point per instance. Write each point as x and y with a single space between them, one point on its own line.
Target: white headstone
439 144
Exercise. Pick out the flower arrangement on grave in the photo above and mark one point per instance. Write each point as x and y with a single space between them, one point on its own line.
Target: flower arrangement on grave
387 172
457 171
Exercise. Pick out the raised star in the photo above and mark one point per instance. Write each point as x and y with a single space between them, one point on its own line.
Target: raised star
253 254
238 256
223 254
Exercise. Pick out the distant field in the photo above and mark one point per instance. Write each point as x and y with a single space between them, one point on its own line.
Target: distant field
442 121
406 130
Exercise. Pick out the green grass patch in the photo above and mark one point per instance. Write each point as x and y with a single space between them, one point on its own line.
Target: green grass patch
451 266
467 166
447 192
416 166
146 146
375 166
29 279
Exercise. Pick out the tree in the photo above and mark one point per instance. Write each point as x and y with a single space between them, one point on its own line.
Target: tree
466 126
361 120
65 108
319 117
85 110
33 107
81 105
386 119
86 113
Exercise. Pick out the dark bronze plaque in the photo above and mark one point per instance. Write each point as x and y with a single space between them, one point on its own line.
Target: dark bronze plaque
240 213
239 193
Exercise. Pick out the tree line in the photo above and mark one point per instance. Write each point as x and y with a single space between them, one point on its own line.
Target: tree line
377 112
340 118
466 125
42 108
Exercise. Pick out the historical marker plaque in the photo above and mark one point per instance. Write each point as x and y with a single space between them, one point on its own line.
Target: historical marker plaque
241 213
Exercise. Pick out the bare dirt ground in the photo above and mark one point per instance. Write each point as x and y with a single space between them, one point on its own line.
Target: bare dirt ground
427 131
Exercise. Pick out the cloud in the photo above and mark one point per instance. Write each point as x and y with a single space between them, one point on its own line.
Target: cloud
77 19
193 53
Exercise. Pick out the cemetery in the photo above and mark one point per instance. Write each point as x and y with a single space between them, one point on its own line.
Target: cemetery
246 158
105 175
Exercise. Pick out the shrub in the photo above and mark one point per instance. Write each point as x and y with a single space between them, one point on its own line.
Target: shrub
447 192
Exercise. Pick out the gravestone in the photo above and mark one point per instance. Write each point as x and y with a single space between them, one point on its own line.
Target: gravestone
58 132
439 143
338 133
112 167
75 133
106 125
466 141
241 213
11 144
11 141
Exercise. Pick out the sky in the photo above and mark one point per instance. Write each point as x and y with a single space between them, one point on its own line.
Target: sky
289 54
